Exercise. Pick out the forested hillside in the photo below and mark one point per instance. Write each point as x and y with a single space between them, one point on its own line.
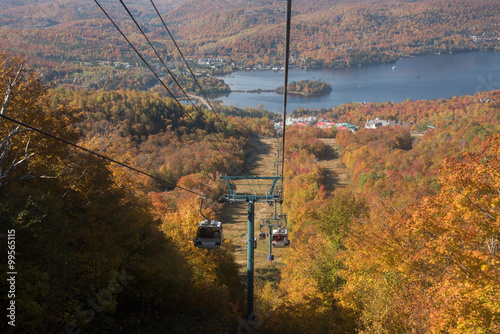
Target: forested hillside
98 247
73 43
339 34
410 245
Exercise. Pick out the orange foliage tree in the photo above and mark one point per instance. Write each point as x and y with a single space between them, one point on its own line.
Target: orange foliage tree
434 266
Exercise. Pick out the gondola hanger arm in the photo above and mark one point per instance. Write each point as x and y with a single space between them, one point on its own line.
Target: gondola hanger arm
201 205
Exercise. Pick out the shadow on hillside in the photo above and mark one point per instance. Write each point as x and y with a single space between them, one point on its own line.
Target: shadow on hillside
233 213
270 274
332 179
255 152
330 153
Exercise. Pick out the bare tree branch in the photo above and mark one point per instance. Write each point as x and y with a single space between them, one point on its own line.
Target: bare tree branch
9 160
484 211
492 245
25 178
10 86
15 162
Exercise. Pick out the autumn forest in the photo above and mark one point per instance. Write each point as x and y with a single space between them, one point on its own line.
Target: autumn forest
393 230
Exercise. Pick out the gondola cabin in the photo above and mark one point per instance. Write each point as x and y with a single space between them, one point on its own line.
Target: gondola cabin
209 235
280 238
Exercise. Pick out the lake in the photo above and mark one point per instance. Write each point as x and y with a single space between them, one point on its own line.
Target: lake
418 78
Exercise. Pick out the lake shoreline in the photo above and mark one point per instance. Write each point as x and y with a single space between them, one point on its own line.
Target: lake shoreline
259 91
427 77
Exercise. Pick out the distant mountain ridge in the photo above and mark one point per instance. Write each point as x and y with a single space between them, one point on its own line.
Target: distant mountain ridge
325 33
336 33
46 13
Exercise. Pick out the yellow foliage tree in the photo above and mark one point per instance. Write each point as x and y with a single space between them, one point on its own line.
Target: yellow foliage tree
433 267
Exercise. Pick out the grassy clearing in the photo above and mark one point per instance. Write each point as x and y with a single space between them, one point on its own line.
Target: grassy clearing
336 174
235 216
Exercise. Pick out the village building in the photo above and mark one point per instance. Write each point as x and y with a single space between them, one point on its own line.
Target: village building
377 123
208 61
346 126
301 120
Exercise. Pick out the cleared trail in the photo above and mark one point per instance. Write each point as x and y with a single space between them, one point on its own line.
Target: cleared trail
234 216
336 174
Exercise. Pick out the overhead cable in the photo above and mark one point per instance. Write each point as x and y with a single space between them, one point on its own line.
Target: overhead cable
165 65
194 78
156 75
190 70
96 154
285 87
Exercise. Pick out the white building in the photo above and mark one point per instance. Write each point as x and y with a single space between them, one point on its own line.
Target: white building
306 120
377 123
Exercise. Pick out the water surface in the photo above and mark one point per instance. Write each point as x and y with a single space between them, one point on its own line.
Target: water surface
418 78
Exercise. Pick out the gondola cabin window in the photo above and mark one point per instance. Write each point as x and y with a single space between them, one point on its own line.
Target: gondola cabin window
209 235
280 238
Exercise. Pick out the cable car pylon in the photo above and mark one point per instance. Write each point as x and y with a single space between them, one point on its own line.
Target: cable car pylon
272 196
